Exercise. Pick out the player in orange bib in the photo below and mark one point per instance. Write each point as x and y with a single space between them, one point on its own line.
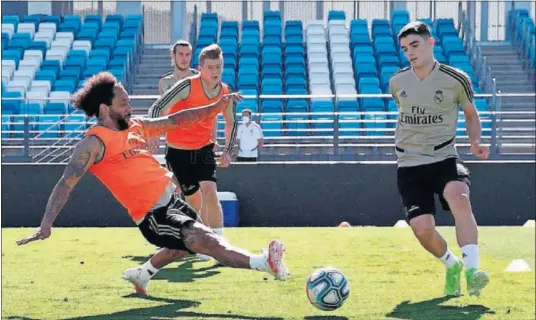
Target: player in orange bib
115 151
190 151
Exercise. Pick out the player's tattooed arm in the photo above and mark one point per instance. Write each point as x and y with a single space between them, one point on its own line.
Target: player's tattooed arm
86 153
186 118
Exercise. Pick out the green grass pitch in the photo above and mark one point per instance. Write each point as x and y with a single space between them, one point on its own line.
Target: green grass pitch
76 274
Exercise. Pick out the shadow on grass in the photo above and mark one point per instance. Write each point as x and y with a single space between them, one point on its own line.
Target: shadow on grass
184 272
171 309
432 309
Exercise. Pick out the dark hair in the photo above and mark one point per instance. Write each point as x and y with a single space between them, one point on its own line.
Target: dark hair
418 27
212 52
181 43
96 90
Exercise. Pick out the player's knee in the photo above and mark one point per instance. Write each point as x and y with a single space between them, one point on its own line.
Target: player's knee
423 227
199 238
424 233
210 197
456 191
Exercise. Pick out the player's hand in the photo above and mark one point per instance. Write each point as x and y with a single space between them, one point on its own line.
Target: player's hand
235 96
216 146
42 233
225 160
481 152
153 144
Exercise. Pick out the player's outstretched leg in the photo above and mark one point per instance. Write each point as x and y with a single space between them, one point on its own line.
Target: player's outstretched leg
423 227
201 239
456 194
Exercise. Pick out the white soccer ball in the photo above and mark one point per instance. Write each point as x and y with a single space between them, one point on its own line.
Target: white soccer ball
327 288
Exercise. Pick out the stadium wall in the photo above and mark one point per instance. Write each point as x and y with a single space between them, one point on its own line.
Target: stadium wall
280 195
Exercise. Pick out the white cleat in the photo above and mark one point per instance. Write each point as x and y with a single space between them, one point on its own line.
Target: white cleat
274 258
203 257
133 275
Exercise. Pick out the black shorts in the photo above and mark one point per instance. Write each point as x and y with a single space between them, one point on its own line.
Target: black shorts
417 185
190 167
163 227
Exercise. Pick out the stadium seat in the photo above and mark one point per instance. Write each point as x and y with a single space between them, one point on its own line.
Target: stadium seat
271 125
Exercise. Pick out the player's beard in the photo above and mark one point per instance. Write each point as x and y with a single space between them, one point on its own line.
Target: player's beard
179 68
122 122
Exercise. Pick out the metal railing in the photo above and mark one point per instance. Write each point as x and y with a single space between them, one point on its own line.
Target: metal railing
31 138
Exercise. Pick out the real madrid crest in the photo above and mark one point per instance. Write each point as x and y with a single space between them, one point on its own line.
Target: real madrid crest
438 97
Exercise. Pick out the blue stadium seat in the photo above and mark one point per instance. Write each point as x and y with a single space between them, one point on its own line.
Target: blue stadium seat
47 75
322 125
31 108
385 75
368 81
297 105
295 70
365 70
349 125
11 106
388 60
336 15
6 126
365 58
271 125
74 122
348 105
55 108
294 61
372 104
375 125
458 58
363 50
391 107
49 126
297 125
271 105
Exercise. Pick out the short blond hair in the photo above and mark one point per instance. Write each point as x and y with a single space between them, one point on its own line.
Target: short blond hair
212 52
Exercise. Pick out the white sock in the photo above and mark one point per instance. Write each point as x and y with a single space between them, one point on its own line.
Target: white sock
448 259
470 255
148 271
218 231
258 262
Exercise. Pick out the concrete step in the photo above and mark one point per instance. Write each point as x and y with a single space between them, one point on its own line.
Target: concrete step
146 81
155 65
141 106
147 76
500 53
507 69
156 51
522 101
500 77
512 88
503 61
153 86
511 148
145 92
513 83
517 121
164 55
486 49
160 70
